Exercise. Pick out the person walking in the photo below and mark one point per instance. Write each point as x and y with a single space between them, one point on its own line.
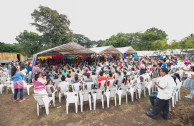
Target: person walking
166 85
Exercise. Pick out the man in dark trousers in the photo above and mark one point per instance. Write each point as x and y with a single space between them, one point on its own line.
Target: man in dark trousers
165 85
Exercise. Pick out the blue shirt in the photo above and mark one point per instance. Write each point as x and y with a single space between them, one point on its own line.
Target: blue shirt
164 65
17 77
9 67
28 70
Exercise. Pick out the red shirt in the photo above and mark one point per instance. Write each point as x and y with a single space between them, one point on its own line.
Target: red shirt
101 78
120 64
109 82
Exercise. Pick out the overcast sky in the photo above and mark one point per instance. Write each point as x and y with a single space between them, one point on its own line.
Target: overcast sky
99 19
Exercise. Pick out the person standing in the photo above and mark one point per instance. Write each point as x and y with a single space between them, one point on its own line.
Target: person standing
17 78
166 85
189 83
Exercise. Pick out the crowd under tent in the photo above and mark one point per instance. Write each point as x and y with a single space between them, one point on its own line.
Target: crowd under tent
69 49
105 50
127 50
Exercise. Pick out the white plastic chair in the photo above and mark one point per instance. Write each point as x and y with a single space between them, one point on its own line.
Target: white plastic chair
56 81
173 97
111 83
98 95
132 90
76 87
63 89
102 84
178 95
48 87
69 80
9 85
111 93
85 96
43 100
123 92
28 86
1 88
89 85
72 97
141 87
150 86
119 81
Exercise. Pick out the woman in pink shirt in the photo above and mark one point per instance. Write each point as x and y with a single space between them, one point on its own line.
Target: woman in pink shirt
39 84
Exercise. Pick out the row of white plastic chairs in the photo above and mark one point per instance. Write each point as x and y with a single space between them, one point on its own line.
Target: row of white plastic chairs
6 82
85 95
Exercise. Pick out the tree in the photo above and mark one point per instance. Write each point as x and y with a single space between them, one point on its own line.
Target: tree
53 26
160 45
30 42
83 40
161 35
119 40
174 45
151 35
9 47
99 43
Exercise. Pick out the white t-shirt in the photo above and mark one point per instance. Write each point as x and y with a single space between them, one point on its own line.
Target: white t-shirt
168 85
186 68
63 83
142 66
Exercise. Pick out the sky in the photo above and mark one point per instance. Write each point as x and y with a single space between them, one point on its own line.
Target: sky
100 19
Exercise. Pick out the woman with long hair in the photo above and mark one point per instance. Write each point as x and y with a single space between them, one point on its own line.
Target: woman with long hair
39 84
17 78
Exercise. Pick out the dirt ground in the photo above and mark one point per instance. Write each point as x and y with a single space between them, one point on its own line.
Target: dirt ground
133 113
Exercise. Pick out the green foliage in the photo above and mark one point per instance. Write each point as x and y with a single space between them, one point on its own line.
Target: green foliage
160 45
139 41
53 26
99 43
30 42
9 47
174 45
82 40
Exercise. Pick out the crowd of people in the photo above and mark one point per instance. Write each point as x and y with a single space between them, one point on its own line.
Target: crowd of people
122 70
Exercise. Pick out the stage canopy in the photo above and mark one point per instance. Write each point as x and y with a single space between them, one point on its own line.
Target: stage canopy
70 48
127 50
105 50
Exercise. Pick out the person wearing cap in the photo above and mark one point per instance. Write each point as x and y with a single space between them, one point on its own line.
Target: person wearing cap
165 85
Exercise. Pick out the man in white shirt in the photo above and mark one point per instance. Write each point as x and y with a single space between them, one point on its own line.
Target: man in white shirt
166 85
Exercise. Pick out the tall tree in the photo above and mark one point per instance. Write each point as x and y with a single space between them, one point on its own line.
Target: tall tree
53 26
83 40
30 42
151 35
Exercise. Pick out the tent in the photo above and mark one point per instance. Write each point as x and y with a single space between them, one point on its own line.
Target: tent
105 50
127 50
70 48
